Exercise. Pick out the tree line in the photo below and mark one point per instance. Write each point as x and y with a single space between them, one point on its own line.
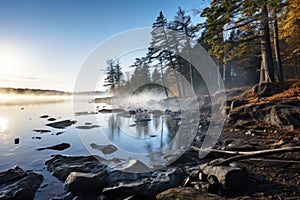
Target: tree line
249 41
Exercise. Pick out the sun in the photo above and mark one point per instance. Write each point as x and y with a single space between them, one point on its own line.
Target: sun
8 61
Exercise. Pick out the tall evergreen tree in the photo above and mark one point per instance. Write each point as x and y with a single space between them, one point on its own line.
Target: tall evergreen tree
289 33
160 46
183 24
110 80
247 15
113 74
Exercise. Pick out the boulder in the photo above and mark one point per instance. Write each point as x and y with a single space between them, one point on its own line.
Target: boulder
17 184
232 178
80 183
86 176
147 187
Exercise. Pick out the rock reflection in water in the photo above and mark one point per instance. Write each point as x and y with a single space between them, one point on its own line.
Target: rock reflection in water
140 136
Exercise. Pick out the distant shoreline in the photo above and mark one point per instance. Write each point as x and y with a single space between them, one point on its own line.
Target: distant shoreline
29 91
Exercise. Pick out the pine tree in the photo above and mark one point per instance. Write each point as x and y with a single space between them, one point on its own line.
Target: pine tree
141 72
247 15
113 74
183 24
110 80
160 46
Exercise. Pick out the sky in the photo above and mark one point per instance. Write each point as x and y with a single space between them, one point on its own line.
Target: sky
43 43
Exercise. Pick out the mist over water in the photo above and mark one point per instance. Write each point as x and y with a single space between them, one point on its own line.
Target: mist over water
19 99
147 99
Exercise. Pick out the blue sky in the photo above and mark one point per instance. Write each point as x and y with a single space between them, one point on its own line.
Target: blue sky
43 43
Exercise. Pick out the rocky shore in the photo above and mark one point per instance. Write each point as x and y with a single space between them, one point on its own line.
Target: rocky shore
256 157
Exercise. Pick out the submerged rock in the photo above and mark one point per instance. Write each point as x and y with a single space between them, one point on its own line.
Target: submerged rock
86 127
16 183
105 149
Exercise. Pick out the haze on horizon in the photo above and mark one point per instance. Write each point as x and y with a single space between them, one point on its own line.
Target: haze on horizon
44 43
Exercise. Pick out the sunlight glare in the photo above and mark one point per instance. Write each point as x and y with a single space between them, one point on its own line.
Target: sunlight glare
3 124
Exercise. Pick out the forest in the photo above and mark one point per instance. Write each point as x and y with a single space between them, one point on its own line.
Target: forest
250 42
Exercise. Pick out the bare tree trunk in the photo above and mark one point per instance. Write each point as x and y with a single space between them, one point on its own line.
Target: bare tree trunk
180 67
163 79
266 52
277 50
177 82
190 57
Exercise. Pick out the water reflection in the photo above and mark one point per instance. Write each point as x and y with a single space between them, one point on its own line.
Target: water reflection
139 136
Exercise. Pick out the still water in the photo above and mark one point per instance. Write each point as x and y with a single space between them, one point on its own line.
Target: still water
22 120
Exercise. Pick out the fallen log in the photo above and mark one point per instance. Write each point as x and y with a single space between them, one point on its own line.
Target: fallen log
275 160
239 155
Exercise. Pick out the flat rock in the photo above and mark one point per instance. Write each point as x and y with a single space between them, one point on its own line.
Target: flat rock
88 175
61 124
186 194
87 127
58 147
18 184
62 166
148 187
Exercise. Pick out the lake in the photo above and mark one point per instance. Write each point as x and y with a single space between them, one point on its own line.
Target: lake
25 118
